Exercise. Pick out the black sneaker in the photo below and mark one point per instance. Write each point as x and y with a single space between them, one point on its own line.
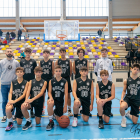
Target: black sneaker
111 115
14 118
27 125
97 115
32 114
4 119
50 125
101 125
90 115
70 113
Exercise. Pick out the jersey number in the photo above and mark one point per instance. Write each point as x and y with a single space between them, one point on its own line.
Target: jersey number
57 93
84 93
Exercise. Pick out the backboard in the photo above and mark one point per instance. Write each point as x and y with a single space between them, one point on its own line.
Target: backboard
67 30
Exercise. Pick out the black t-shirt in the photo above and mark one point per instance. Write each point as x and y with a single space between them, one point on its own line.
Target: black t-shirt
133 90
36 89
18 89
105 90
29 67
83 89
47 69
78 64
58 90
65 65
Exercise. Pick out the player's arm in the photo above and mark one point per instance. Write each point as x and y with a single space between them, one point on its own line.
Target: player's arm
74 90
39 64
96 68
92 96
28 90
124 90
97 92
111 66
66 98
56 63
35 64
87 65
52 69
50 90
10 93
74 71
24 93
40 94
112 93
70 68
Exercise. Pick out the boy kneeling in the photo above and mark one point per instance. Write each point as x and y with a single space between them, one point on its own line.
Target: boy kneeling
105 93
36 88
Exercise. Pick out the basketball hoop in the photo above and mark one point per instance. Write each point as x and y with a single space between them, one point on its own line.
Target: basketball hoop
61 36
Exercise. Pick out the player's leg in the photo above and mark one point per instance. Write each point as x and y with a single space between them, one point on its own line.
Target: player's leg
19 121
43 112
106 118
76 106
38 120
123 107
9 109
24 108
85 117
50 104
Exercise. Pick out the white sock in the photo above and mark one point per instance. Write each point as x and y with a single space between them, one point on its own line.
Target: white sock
69 107
51 117
123 117
10 120
28 120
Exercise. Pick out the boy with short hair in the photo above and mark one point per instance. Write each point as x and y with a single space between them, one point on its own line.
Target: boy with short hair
132 98
17 94
36 88
66 66
83 92
105 93
58 90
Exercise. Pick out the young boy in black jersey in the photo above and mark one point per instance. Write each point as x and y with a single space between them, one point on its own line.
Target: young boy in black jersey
36 89
58 96
105 93
17 94
66 66
83 92
29 65
132 98
48 69
80 62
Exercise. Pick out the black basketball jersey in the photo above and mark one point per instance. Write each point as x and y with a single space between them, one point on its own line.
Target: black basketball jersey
29 67
104 90
47 69
65 65
83 89
58 90
133 90
18 89
78 64
36 89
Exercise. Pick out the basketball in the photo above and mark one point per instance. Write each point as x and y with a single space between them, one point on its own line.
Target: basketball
64 121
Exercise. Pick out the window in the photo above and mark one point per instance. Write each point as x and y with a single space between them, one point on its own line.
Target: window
86 7
35 8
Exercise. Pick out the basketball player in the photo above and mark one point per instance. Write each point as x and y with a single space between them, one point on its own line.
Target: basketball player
48 69
36 88
17 94
66 66
83 90
105 93
29 65
80 62
132 98
58 90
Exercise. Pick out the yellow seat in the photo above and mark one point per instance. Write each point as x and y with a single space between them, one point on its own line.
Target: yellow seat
82 43
15 51
53 45
109 53
100 48
33 39
93 50
109 47
94 37
66 43
28 41
18 61
136 44
113 64
20 46
70 48
101 43
84 48
95 45
102 38
38 37
115 37
99 53
46 43
71 53
6 46
38 51
33 46
92 41
3 49
116 56
77 41
74 45
66 50
59 56
18 54
86 56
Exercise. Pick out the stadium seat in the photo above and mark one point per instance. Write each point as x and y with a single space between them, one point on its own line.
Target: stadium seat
17 54
109 53
38 51
116 56
15 51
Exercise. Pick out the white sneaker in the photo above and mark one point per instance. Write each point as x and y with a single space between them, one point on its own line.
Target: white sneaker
127 114
80 110
75 121
123 123
70 113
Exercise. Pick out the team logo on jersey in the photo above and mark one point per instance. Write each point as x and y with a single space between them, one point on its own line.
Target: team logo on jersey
31 63
106 96
23 87
9 67
66 62
102 86
41 84
109 87
84 62
87 83
62 84
80 82
15 84
138 82
53 82
23 61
